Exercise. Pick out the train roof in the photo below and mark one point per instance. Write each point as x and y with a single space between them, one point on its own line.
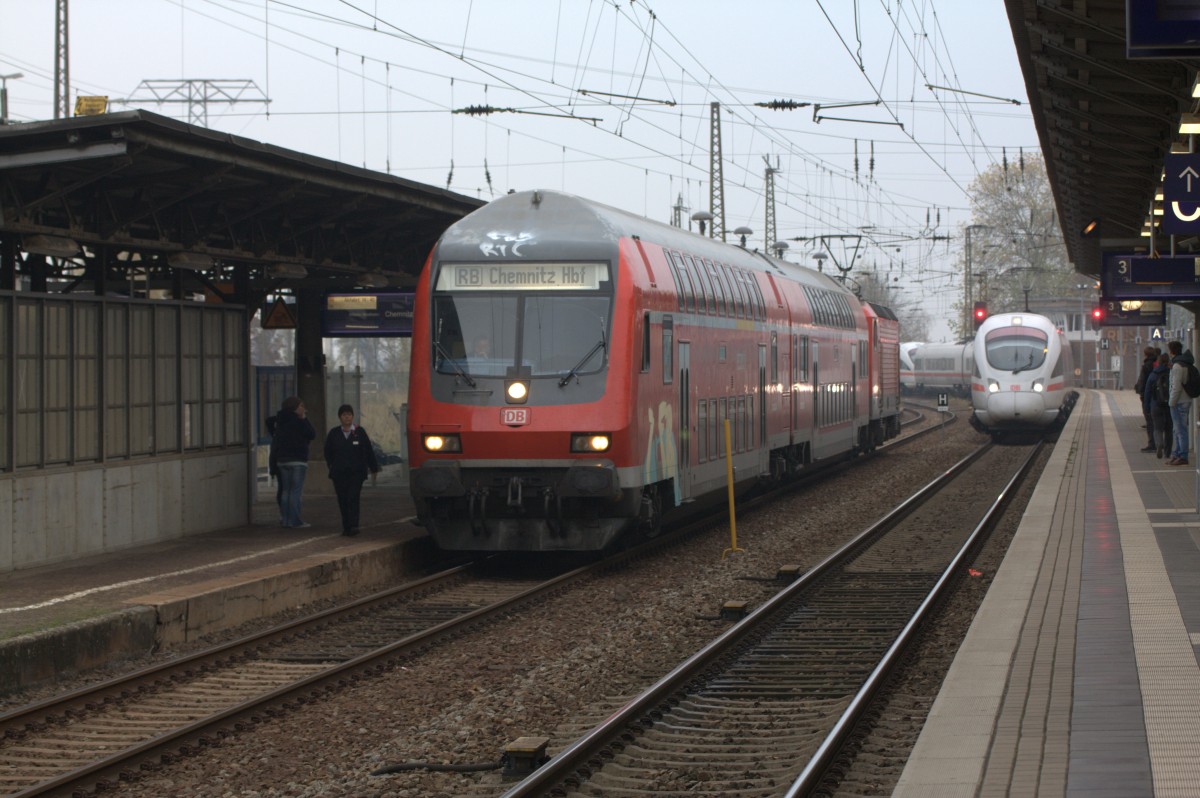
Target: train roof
551 224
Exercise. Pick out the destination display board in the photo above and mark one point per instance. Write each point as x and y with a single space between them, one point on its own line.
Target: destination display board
1139 276
521 276
1132 312
367 315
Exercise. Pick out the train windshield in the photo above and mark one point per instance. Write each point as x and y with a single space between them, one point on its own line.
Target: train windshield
553 322
1016 349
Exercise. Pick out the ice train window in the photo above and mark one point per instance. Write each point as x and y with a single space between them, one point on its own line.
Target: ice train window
1015 348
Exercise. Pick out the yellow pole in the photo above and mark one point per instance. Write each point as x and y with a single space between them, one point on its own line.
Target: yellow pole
729 478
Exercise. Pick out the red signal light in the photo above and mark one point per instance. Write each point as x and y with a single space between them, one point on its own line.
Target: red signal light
1097 317
980 313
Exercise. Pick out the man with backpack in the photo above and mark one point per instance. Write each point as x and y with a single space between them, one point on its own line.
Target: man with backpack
1185 384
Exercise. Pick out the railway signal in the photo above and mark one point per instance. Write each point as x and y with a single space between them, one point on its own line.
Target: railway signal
1097 316
980 313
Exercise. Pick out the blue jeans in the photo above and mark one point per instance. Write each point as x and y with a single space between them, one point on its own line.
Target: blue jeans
291 485
1179 418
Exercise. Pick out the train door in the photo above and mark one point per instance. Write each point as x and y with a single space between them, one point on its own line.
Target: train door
684 447
817 408
762 395
853 409
794 388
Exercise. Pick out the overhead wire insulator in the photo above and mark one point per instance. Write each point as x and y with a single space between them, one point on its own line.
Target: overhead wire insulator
783 105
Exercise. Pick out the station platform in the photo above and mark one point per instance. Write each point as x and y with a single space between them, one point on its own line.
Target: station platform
85 613
1079 675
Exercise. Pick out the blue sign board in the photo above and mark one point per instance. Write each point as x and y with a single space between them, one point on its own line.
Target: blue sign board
1133 312
1161 29
1125 275
367 315
1181 194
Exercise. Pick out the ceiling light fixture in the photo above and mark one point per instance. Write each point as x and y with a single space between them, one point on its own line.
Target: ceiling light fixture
288 271
51 246
194 261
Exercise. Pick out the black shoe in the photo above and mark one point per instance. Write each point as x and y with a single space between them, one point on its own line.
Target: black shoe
1149 448
351 532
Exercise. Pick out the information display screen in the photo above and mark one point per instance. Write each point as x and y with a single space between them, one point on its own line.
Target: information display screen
363 315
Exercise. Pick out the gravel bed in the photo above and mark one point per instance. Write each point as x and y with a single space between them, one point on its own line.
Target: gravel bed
567 664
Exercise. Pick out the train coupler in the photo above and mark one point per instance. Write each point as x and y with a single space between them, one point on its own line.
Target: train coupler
514 492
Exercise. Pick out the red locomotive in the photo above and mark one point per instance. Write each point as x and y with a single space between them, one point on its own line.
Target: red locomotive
573 367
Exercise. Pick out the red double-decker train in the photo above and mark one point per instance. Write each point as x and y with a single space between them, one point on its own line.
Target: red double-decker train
574 367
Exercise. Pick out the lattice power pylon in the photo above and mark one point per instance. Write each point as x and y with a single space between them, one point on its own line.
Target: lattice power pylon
769 228
196 94
62 63
716 182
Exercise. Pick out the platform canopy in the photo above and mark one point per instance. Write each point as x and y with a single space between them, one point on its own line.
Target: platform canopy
1106 116
97 203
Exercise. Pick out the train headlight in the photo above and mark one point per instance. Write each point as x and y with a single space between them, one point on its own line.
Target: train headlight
993 386
1039 385
516 391
442 443
589 442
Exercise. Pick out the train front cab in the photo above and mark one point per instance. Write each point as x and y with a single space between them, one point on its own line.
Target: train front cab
1020 376
514 444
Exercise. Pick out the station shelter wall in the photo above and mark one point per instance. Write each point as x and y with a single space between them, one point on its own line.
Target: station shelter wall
122 422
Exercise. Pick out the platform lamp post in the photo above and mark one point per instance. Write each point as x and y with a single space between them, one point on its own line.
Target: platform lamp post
4 79
1083 320
820 257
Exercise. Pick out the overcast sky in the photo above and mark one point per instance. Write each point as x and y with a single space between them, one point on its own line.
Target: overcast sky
375 82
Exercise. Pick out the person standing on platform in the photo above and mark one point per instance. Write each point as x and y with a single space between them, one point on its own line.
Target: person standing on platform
1149 360
1181 403
293 434
1158 399
349 455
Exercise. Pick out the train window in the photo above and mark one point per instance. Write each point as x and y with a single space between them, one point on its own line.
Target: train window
739 293
759 305
689 281
718 289
646 330
722 272
802 358
673 261
702 431
1016 348
668 347
706 302
722 353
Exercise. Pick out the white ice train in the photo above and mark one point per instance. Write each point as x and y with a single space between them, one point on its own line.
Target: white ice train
907 377
942 368
1024 380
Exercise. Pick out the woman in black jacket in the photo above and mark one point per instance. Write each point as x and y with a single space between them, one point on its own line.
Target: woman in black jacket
349 455
289 448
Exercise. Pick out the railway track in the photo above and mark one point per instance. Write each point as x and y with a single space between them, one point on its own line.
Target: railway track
100 735
92 736
766 707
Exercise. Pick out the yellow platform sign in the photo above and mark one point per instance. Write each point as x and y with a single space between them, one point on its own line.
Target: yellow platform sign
91 106
280 316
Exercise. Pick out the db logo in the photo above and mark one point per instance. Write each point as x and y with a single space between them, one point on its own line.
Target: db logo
514 416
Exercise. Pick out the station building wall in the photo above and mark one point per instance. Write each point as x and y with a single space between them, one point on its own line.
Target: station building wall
122 422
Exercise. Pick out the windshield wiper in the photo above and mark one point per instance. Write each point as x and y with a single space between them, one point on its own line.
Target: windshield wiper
1028 365
601 344
457 368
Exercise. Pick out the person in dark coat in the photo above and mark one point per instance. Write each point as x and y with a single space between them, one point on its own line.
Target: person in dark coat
349 455
1149 360
1158 400
293 434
